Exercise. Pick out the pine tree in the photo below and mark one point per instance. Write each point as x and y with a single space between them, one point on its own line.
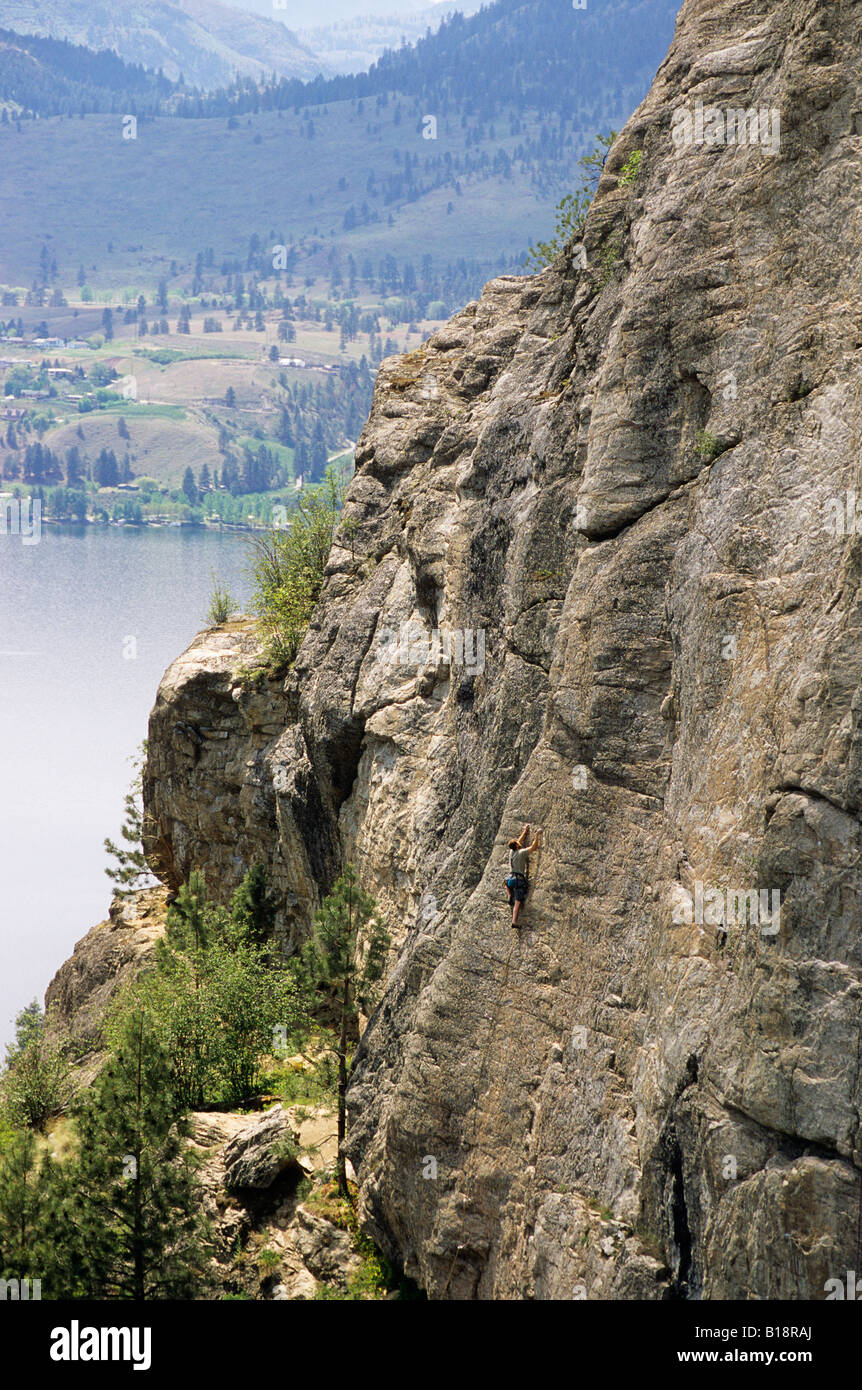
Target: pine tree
190 487
345 955
252 907
187 923
27 1200
217 993
133 1226
132 871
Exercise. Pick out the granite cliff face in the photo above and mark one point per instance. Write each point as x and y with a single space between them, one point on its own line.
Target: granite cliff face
633 480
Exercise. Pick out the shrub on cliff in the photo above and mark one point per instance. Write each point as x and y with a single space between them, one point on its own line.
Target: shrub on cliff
218 995
35 1082
288 570
573 208
222 603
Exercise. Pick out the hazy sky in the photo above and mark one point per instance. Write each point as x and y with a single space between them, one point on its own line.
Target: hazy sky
304 14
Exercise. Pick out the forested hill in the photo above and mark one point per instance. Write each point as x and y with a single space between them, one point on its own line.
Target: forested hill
206 41
535 54
56 78
543 54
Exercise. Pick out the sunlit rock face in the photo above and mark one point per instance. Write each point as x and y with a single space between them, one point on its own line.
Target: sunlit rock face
603 576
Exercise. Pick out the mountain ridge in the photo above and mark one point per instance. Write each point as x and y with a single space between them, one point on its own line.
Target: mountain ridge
205 41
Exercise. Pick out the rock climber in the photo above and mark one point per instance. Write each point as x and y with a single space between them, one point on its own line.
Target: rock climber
518 882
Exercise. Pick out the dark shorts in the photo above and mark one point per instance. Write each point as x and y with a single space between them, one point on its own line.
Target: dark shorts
517 886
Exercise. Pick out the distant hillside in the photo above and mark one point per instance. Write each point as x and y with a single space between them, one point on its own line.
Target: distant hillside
205 41
53 77
454 151
540 54
355 43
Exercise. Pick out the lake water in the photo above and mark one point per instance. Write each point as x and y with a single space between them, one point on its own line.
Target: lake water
90 618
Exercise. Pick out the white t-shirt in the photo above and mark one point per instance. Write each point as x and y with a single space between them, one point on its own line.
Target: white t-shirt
519 862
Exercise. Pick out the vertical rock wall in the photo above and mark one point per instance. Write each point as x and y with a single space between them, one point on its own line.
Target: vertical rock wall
626 475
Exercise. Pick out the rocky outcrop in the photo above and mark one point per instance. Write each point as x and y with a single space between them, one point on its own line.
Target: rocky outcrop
267 1242
635 476
262 1152
110 955
224 771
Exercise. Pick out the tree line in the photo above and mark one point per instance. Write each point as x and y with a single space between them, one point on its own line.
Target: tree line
120 1213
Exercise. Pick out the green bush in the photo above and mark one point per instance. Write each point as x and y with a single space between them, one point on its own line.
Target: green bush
609 257
373 1280
222 604
288 571
572 210
217 995
268 1261
35 1084
707 446
631 168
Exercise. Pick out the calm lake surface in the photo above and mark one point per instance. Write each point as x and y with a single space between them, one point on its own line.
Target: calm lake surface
75 695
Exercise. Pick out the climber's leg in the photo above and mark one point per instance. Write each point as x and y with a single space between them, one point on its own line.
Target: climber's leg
519 894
